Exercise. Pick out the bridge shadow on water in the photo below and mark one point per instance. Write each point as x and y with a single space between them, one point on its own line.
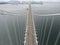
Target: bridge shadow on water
48 29
12 29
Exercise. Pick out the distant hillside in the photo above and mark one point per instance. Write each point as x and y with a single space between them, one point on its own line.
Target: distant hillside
32 2
14 2
3 2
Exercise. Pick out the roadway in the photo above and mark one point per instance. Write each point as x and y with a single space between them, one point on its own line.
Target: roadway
30 34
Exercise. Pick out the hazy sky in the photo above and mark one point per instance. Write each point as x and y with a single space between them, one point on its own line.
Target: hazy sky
33 0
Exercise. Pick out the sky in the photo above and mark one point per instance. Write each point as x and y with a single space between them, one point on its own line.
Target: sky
34 0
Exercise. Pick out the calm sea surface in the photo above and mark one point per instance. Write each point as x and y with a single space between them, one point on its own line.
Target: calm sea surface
47 26
13 23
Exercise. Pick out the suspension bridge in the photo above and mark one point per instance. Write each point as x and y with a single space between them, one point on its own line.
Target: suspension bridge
30 34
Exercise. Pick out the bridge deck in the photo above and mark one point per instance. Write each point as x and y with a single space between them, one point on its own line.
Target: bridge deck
30 37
